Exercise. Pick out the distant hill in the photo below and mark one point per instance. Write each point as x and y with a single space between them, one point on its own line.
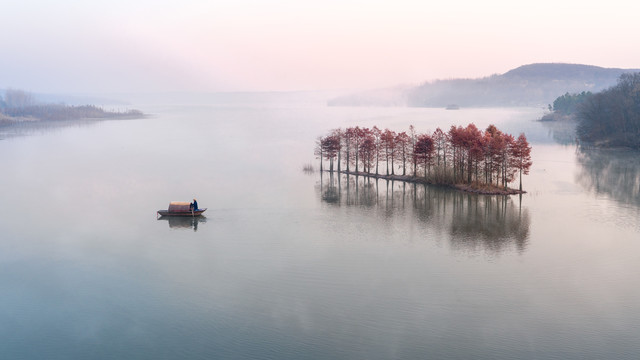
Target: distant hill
528 85
559 71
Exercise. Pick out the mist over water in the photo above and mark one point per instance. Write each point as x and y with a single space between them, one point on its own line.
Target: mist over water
291 265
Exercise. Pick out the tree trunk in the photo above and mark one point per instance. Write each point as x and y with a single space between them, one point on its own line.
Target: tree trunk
386 160
348 157
425 168
392 167
453 160
404 164
520 179
356 159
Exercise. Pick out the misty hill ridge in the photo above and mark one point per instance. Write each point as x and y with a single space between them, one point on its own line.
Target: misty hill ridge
528 85
561 71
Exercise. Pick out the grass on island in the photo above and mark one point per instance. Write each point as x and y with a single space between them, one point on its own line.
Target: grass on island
487 189
474 187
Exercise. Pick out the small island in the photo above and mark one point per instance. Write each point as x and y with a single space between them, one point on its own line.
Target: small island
464 158
18 107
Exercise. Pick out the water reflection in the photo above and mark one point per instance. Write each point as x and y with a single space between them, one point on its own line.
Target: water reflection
183 222
615 173
472 222
491 222
562 132
27 128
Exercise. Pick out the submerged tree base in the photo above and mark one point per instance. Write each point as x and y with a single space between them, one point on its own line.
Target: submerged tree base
476 188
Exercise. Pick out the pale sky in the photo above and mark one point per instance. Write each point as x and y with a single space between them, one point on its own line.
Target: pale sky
78 46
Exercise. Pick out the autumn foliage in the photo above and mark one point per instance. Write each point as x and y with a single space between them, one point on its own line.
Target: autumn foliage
461 155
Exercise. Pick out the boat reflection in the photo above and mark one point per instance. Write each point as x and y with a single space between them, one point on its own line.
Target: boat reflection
470 222
184 222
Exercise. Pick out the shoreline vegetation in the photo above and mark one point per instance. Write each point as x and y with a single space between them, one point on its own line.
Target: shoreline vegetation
464 158
606 119
20 107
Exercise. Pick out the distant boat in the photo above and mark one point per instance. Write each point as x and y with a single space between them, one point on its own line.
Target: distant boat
180 208
452 107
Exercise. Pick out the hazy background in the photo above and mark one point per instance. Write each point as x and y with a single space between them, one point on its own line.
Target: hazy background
242 45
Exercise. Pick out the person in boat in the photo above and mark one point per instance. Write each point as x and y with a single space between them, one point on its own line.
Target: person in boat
194 205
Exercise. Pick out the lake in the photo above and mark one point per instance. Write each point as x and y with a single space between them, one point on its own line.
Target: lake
291 265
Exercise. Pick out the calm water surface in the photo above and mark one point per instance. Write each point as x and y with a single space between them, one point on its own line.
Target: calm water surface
288 265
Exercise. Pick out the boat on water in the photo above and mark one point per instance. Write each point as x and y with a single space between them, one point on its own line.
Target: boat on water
181 208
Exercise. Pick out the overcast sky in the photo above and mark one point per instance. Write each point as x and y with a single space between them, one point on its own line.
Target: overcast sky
77 46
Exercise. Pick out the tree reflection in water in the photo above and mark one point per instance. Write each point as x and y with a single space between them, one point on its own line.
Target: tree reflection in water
26 128
612 172
562 131
473 222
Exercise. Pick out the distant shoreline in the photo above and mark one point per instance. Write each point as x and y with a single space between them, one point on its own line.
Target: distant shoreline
18 107
483 189
555 116
60 114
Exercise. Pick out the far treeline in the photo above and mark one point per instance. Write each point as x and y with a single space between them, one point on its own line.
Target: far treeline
18 105
483 160
610 118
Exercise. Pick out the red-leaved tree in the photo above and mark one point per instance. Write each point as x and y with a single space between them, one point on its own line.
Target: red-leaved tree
460 155
423 151
521 156
403 142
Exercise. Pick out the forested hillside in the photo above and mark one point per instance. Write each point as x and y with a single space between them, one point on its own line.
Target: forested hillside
612 117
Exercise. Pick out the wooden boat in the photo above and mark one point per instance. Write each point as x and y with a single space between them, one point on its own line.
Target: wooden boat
180 208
